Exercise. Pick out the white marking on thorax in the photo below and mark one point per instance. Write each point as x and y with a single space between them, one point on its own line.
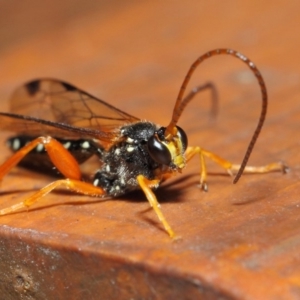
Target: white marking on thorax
130 148
96 181
129 140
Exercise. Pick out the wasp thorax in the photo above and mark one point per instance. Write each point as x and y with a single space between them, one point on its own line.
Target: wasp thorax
168 151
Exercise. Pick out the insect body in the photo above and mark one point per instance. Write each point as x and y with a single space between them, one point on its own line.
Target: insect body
60 126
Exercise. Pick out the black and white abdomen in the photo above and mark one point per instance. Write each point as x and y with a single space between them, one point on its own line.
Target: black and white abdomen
38 159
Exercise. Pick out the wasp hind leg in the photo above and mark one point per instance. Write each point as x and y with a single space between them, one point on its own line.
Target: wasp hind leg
227 165
63 160
77 186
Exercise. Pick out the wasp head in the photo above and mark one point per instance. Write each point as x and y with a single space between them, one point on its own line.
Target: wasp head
168 150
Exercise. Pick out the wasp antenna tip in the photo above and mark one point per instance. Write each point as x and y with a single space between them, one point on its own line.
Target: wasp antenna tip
236 179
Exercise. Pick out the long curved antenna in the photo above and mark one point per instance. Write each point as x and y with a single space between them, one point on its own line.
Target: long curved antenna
181 104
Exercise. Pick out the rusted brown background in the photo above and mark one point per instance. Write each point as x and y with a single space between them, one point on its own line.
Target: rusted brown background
238 241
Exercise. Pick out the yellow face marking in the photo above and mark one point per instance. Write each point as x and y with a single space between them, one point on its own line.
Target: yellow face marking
176 150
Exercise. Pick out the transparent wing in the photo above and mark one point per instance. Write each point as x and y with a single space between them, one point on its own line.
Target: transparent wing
56 108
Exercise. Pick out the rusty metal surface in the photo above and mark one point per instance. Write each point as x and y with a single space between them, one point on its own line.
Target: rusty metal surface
238 241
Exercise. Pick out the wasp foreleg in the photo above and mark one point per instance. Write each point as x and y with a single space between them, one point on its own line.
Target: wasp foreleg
227 165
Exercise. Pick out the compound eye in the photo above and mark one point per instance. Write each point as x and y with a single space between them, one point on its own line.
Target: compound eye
183 137
158 151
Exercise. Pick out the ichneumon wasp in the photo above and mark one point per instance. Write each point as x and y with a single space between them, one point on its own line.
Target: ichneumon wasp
60 126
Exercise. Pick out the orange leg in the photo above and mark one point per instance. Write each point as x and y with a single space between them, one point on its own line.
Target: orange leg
71 184
228 166
146 185
61 158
